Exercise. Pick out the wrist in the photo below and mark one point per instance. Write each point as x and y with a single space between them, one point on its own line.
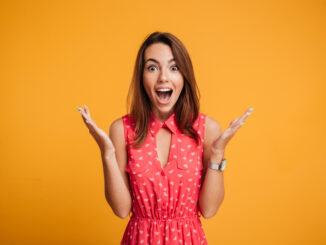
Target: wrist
108 153
216 159
218 151
218 166
216 156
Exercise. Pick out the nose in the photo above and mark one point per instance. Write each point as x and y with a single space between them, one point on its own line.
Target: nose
163 77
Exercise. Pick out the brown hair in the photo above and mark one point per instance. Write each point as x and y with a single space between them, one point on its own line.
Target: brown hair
186 108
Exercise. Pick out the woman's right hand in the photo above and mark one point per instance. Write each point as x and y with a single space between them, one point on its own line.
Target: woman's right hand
101 138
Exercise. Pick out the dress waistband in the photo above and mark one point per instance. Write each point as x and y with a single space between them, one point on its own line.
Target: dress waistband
135 216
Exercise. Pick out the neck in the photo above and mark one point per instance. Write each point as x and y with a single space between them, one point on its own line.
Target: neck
162 116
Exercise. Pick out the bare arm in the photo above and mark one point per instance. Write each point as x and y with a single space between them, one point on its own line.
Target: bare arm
212 190
114 158
117 189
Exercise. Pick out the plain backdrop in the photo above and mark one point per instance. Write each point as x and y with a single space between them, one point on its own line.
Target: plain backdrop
57 55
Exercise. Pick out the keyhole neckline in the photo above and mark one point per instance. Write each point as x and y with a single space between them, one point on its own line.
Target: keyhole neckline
156 124
172 152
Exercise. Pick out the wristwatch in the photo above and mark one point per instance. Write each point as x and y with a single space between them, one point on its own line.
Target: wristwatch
220 166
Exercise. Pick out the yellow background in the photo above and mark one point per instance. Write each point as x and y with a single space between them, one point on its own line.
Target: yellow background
56 55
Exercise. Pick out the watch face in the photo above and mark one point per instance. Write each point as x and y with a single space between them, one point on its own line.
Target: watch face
223 164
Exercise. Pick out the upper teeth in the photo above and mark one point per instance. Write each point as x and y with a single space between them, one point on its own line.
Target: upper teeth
164 89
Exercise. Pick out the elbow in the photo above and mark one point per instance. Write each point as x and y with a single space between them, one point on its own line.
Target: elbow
208 215
210 212
119 211
122 215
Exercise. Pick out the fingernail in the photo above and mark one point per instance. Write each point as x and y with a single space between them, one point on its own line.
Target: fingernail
251 109
242 123
85 106
86 120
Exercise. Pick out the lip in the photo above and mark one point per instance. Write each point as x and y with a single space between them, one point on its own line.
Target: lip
163 102
163 88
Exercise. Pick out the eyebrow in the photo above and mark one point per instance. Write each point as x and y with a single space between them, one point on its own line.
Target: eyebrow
154 60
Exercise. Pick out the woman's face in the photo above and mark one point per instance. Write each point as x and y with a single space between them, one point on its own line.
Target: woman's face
162 80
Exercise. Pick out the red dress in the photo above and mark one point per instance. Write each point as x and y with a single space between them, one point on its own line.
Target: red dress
164 200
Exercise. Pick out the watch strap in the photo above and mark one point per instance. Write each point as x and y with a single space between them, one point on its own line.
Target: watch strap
216 166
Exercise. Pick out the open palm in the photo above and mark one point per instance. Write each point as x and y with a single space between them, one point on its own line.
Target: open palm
100 136
220 143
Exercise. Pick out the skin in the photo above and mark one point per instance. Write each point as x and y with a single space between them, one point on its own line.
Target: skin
161 72
212 190
113 147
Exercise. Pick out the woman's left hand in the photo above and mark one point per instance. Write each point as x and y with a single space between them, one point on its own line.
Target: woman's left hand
220 143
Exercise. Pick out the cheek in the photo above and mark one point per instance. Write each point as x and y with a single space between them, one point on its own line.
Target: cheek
180 85
179 88
147 86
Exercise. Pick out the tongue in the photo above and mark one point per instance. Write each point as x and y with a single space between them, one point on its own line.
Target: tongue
164 95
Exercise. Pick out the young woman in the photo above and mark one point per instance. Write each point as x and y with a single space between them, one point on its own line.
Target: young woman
164 160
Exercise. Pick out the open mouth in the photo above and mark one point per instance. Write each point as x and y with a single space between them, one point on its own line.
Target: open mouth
164 95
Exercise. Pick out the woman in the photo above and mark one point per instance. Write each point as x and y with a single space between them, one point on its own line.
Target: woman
157 159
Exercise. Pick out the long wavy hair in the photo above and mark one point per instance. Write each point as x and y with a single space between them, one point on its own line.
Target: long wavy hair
187 106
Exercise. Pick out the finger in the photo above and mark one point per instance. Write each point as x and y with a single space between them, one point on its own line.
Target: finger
83 114
233 123
91 125
230 131
236 124
88 120
87 110
245 115
80 110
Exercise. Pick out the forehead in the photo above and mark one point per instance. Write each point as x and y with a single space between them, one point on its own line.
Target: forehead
159 51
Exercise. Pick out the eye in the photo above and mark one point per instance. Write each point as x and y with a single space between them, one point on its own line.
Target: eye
149 68
177 68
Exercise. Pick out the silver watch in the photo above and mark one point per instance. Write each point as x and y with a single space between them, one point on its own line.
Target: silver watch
220 166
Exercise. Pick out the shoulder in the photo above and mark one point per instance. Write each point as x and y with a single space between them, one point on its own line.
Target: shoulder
117 128
212 129
116 125
211 124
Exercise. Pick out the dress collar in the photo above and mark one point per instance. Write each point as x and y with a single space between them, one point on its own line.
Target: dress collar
155 124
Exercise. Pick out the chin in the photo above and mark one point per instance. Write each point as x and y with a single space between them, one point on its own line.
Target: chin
164 109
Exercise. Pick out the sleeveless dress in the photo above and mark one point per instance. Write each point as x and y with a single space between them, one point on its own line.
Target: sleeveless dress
165 200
